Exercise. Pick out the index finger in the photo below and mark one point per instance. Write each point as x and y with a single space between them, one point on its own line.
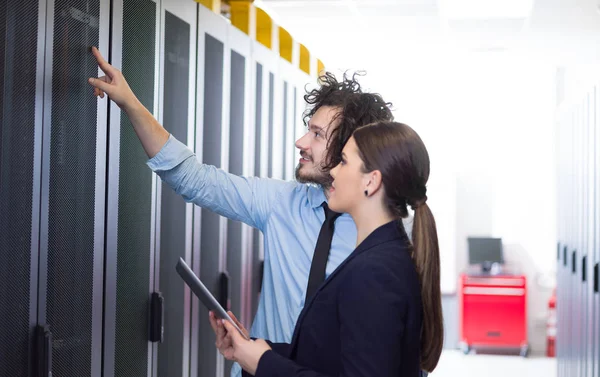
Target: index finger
213 321
103 64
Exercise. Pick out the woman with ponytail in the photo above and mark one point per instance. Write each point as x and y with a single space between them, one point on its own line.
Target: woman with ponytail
379 314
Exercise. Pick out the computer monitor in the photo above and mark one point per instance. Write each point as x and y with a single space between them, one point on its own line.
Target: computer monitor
485 250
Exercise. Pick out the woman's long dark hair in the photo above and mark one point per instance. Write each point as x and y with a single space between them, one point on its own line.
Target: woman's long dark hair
399 154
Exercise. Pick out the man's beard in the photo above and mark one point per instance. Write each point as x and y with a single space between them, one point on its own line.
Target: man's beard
317 177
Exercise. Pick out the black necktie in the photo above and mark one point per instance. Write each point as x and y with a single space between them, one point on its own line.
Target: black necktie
319 261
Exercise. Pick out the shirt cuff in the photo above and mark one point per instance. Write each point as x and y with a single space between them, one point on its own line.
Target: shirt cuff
170 155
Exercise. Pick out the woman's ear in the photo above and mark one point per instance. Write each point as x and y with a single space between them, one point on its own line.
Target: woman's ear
373 182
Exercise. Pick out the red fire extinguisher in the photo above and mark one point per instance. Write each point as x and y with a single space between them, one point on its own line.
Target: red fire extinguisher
551 326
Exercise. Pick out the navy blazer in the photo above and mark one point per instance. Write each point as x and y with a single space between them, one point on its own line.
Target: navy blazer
365 320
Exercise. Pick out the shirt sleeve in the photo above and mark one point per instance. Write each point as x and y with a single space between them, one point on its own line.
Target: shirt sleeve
246 199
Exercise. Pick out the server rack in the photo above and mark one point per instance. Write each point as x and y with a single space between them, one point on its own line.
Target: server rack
95 234
596 234
212 142
241 157
285 83
130 329
587 261
73 188
176 109
578 246
263 66
22 47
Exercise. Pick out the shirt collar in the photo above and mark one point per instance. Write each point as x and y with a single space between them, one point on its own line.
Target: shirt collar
316 196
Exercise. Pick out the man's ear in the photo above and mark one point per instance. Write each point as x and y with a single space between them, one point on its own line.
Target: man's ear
373 182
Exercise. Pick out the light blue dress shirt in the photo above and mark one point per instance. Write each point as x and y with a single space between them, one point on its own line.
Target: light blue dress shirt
289 214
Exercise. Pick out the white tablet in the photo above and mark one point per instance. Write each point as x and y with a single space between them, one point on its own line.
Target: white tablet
211 303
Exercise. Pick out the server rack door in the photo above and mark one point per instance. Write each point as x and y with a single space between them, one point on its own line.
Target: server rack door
568 298
238 249
258 171
262 60
273 161
129 251
560 336
587 265
212 147
263 63
277 134
300 106
561 303
296 121
561 241
290 76
580 336
285 131
596 225
289 149
560 230
73 187
174 216
592 204
22 35
569 213
296 118
296 111
576 251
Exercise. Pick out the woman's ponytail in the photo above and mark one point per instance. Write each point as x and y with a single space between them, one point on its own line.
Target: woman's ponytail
426 255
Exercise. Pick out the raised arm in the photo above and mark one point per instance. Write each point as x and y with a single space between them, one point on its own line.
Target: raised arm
244 199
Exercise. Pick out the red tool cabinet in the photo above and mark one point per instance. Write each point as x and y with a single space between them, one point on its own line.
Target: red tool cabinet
493 312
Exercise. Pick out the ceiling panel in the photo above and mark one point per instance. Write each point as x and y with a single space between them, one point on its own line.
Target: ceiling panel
341 28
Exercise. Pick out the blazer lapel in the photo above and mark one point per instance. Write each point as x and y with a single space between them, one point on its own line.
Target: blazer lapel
384 233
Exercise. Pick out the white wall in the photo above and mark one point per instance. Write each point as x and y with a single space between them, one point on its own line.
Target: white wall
487 121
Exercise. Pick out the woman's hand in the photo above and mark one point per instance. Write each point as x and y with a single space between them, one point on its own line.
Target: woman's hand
234 347
113 84
223 343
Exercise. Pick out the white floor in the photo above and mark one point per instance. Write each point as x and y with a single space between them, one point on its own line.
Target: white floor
456 364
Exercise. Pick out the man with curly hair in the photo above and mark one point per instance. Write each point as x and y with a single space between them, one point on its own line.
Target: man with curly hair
289 214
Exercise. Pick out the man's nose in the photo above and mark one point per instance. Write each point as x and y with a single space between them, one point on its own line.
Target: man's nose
302 143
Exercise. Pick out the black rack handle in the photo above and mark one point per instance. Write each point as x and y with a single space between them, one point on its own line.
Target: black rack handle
224 290
596 278
157 317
